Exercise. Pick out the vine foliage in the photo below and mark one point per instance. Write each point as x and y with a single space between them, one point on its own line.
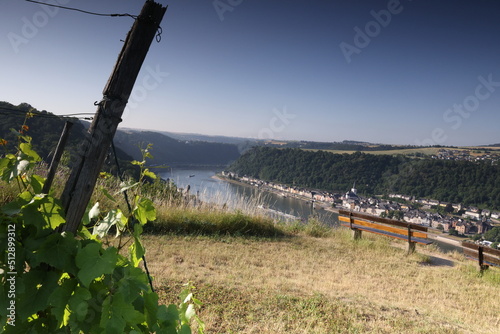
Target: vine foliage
56 282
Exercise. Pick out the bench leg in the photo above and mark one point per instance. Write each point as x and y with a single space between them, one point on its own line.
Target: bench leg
356 234
411 247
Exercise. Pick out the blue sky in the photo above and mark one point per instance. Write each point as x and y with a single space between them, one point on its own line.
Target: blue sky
398 72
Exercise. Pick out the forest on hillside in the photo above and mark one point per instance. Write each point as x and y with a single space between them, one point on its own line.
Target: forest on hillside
45 128
173 152
470 183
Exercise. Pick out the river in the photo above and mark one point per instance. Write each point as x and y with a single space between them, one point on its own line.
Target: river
209 189
251 199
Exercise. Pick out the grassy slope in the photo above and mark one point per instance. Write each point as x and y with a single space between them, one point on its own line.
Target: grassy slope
325 285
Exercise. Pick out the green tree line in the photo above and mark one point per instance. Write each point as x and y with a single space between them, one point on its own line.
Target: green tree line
470 183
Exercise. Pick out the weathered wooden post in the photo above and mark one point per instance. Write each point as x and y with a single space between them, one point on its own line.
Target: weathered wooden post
57 157
92 153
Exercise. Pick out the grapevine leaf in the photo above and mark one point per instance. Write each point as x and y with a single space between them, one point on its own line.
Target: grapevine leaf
59 300
149 173
190 312
59 250
185 329
151 307
116 313
26 149
52 212
133 281
113 217
12 208
78 304
108 195
136 252
121 222
94 212
33 298
93 262
144 211
37 183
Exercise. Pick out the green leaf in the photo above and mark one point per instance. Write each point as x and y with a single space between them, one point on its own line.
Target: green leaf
53 212
37 183
12 208
137 163
27 150
59 300
151 307
116 314
133 282
59 251
78 304
108 195
150 174
185 329
94 262
144 211
33 298
136 251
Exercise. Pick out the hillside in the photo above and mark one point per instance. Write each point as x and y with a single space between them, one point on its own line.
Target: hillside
45 128
173 152
470 183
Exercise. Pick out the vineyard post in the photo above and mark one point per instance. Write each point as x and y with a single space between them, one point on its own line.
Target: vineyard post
93 151
57 157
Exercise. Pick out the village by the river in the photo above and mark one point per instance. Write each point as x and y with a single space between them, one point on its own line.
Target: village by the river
294 203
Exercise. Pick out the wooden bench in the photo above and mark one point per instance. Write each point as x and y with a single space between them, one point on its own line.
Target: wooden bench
357 222
485 256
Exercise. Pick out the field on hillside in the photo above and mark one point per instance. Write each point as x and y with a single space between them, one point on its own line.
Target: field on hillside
412 151
303 284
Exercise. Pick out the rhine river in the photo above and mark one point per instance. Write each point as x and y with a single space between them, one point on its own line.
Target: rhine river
201 182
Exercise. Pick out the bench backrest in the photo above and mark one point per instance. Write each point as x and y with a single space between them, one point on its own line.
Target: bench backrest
384 224
490 256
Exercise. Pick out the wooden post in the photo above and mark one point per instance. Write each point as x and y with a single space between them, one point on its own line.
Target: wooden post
411 244
92 153
57 157
356 233
480 258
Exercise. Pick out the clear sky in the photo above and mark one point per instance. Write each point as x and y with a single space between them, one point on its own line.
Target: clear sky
397 72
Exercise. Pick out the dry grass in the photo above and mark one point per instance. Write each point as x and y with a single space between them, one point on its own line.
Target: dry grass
325 285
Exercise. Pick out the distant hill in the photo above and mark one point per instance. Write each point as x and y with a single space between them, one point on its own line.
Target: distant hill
45 129
173 152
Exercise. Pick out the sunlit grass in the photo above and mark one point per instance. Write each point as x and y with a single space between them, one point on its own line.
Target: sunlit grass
305 284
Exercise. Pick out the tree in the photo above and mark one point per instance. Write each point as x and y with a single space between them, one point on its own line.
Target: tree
449 208
493 235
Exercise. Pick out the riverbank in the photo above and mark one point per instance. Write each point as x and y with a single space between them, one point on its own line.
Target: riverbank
316 203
